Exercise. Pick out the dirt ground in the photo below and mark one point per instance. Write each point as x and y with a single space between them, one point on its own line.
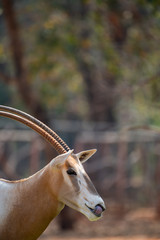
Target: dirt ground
139 224
113 238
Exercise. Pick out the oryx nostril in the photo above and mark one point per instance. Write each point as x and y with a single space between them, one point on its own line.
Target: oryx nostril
98 209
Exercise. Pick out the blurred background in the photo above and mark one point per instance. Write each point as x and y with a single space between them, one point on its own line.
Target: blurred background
89 69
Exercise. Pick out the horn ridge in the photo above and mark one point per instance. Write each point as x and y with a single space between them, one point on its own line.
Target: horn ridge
37 128
36 122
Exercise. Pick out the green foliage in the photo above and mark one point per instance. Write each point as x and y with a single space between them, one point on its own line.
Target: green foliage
124 36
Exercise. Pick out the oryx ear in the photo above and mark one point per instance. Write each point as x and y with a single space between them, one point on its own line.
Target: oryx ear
60 159
85 155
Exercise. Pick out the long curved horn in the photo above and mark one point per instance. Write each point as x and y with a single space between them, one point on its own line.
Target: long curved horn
37 122
37 125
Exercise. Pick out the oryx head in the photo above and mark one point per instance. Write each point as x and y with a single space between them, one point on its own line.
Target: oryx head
76 189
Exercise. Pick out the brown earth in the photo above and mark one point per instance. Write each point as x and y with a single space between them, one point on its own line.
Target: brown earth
107 238
112 238
139 224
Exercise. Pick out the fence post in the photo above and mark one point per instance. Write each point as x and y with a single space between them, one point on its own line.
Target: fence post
121 177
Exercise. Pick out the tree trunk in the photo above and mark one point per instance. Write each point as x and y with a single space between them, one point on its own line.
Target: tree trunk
21 75
100 84
100 92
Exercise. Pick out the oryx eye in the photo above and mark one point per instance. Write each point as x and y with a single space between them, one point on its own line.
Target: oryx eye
71 171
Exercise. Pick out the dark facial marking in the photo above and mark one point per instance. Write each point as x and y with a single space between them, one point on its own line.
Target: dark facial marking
71 171
91 187
75 183
73 178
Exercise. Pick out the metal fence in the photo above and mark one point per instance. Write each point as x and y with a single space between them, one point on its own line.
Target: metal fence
126 166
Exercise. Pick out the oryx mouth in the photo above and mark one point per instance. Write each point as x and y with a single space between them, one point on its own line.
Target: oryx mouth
97 211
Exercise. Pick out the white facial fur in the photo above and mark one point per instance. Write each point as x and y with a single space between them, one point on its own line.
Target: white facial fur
78 191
